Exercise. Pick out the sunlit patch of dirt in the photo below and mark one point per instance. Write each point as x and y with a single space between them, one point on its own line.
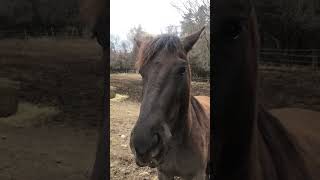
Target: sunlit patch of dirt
123 116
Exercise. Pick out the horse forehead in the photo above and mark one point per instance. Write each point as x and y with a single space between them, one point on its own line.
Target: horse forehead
167 57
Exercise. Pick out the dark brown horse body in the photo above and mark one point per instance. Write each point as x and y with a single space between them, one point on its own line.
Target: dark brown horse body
250 143
172 132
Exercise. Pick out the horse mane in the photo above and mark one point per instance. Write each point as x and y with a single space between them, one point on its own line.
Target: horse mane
152 46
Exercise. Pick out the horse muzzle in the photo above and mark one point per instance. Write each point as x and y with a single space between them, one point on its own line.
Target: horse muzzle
149 147
151 157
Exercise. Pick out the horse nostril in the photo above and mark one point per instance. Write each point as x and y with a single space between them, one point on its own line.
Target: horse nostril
143 146
140 151
155 140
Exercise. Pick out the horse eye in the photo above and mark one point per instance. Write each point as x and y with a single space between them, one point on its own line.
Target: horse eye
231 30
182 70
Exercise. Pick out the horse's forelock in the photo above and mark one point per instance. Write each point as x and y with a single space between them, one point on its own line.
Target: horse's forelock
152 47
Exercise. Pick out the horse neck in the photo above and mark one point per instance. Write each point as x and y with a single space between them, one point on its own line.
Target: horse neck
237 135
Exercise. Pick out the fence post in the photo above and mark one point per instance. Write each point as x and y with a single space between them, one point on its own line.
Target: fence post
314 60
25 34
52 31
317 63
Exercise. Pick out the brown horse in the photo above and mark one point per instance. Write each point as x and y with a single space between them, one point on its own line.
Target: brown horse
94 14
249 143
172 131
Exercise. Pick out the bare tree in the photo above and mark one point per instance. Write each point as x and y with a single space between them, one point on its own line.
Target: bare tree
289 22
171 29
195 15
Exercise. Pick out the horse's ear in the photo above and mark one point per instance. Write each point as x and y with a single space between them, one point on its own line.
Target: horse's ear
190 40
138 42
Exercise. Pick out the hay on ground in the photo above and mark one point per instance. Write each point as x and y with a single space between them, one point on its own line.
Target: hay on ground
119 98
29 115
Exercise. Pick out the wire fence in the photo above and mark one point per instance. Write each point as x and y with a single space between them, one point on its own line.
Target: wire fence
274 59
66 32
291 58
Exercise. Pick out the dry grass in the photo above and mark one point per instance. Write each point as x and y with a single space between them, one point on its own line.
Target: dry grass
29 115
126 76
119 98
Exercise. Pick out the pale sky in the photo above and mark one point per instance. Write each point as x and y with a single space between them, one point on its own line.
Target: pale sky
152 15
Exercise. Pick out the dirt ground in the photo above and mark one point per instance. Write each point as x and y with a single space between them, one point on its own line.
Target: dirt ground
51 153
296 87
62 74
122 165
67 75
